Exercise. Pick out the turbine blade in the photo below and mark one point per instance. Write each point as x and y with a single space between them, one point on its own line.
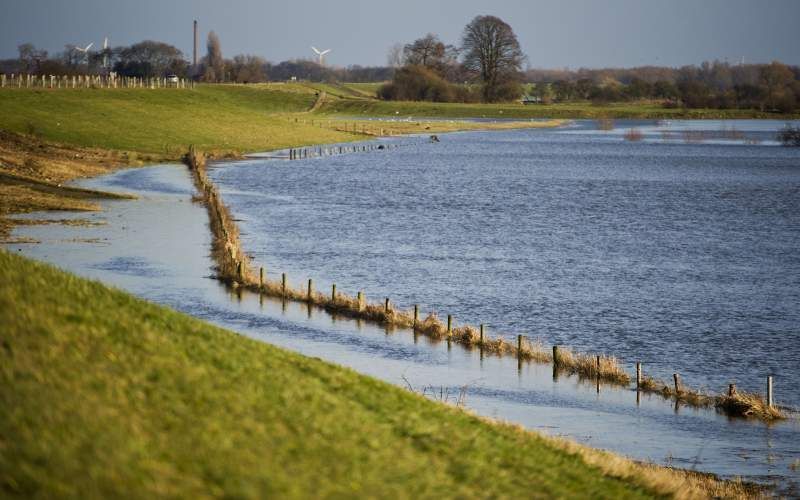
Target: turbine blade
325 52
315 49
89 46
105 43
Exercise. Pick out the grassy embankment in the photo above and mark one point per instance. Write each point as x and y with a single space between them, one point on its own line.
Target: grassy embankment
105 395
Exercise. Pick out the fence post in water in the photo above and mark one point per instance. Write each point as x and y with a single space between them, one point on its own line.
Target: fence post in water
386 306
769 392
261 278
555 356
519 346
482 336
283 284
449 325
416 314
677 380
598 366
360 301
310 288
239 271
731 390
638 375
333 292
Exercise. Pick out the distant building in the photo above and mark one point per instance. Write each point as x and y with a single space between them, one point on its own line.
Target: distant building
531 99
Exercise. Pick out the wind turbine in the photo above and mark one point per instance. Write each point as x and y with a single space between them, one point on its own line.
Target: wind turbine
85 50
105 53
321 54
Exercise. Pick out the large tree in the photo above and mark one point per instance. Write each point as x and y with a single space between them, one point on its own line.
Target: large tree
147 59
430 52
214 63
491 51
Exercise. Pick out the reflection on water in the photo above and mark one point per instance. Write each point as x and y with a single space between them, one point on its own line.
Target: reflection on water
157 247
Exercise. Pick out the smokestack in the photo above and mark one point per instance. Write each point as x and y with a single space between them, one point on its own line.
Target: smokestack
194 54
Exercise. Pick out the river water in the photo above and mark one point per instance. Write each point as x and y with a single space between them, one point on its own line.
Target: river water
677 251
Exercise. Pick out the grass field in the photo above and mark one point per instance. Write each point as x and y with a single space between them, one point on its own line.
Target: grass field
165 121
105 395
374 107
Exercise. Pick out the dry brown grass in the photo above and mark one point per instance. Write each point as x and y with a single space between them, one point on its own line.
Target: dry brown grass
32 173
634 135
748 405
605 368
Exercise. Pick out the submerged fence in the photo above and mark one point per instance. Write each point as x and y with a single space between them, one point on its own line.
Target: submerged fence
233 268
28 81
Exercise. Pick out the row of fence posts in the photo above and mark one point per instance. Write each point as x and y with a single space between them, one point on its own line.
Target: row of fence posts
90 81
345 127
317 152
361 299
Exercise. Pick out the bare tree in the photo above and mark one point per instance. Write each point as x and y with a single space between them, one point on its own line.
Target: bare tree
492 52
394 56
214 64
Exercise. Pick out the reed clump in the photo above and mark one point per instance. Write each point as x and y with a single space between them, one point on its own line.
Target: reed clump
587 366
748 405
634 135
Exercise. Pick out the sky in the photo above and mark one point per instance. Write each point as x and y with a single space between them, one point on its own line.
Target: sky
553 34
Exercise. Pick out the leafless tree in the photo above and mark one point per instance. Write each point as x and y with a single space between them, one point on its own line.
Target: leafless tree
492 52
394 56
214 64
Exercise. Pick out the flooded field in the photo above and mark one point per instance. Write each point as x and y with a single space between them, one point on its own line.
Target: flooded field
574 235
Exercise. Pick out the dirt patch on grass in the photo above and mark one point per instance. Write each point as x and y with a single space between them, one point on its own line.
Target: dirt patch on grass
33 173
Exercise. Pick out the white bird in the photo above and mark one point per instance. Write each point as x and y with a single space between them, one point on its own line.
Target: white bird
320 53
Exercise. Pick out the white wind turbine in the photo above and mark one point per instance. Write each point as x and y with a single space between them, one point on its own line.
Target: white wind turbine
321 54
85 50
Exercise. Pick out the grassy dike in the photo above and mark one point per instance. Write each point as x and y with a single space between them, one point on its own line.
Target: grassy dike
106 395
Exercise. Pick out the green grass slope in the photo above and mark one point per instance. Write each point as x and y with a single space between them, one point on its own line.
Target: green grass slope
214 117
106 395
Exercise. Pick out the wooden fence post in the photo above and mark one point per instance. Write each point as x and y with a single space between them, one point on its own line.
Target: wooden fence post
449 325
731 390
555 355
770 403
333 292
481 336
310 289
360 301
519 346
261 278
386 306
638 375
283 284
416 314
677 380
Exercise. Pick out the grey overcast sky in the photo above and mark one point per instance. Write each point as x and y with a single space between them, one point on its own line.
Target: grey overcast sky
554 34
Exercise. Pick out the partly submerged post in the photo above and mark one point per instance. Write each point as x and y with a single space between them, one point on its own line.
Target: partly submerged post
239 272
598 366
310 289
449 325
638 375
261 278
283 284
481 336
333 292
386 306
677 380
360 301
416 314
555 356
731 390
769 392
519 346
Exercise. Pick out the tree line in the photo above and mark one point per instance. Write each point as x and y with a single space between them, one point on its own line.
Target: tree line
485 66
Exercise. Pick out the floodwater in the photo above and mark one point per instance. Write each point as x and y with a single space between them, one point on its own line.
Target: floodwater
391 225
